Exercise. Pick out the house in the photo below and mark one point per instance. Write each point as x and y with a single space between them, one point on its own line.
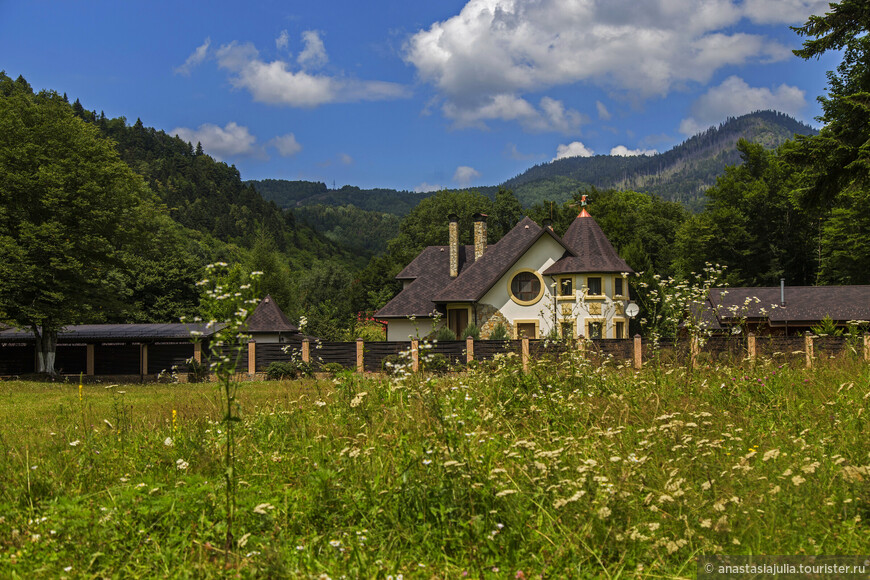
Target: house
532 281
786 310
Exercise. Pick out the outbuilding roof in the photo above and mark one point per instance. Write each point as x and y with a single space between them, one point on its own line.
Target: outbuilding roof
803 304
268 317
117 332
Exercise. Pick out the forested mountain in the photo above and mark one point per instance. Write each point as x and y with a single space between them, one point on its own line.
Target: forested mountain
681 174
363 232
294 194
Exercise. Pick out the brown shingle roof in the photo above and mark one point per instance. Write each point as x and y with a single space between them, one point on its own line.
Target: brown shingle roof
267 317
803 304
479 277
594 252
431 274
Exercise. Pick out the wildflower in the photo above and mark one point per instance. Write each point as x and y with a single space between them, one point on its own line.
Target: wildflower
168 441
74 443
706 523
261 509
797 480
505 492
335 543
181 464
604 512
772 454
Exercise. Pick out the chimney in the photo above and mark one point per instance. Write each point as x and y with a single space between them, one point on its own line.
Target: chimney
782 291
479 235
453 241
548 223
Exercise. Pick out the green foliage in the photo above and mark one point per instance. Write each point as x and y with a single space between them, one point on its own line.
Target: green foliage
471 331
435 363
197 372
333 368
445 334
363 232
827 327
288 370
499 332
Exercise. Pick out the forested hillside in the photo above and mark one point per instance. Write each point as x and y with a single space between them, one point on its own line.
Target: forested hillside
681 174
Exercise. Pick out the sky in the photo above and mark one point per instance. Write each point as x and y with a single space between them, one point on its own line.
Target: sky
418 96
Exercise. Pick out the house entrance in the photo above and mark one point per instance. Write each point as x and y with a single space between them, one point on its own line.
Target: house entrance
457 321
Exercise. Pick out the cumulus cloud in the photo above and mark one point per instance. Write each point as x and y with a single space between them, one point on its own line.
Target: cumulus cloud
221 142
783 11
464 175
550 115
427 187
287 145
623 151
314 53
574 149
194 59
498 50
734 97
275 83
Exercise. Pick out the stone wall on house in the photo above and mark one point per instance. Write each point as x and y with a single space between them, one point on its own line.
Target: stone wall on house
488 317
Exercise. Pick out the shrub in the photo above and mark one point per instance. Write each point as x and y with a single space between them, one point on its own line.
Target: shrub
281 371
332 368
436 363
444 334
471 331
197 372
499 332
391 363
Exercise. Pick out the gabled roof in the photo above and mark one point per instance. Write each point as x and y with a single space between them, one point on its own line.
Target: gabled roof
267 317
803 304
594 252
430 272
480 276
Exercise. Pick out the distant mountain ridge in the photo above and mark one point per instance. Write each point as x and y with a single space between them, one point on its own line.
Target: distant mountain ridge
681 174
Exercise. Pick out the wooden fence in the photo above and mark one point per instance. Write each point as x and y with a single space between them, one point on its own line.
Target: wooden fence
130 359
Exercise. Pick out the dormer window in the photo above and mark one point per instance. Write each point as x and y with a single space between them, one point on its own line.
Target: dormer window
566 287
618 286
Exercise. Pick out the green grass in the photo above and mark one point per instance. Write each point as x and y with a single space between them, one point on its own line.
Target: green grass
566 471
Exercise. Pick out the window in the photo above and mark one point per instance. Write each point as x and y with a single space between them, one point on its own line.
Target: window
617 287
596 329
526 287
620 330
594 285
566 287
527 330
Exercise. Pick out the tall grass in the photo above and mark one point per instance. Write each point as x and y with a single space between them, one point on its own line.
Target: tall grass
564 471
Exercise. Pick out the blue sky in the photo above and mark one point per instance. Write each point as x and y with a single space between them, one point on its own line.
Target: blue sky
418 95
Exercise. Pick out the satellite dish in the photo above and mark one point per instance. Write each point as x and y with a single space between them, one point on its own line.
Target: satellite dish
632 310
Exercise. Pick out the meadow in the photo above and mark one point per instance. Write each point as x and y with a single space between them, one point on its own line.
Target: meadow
566 471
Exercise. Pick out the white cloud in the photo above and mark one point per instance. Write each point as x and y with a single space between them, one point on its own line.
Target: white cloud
503 49
603 113
783 11
427 187
275 84
221 142
550 115
574 149
464 175
623 151
314 53
287 145
734 97
282 41
194 59
345 159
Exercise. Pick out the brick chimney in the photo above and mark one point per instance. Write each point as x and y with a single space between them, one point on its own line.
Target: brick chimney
453 241
479 235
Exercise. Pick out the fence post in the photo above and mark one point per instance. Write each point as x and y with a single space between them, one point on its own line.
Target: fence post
581 345
415 356
469 349
638 352
89 362
750 347
197 351
252 358
306 350
360 364
143 359
808 348
867 347
525 354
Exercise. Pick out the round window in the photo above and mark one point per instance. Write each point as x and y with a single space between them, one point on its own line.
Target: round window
526 287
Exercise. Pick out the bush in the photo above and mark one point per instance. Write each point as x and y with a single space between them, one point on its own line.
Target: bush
278 371
444 334
499 332
332 368
471 331
436 363
197 372
391 363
